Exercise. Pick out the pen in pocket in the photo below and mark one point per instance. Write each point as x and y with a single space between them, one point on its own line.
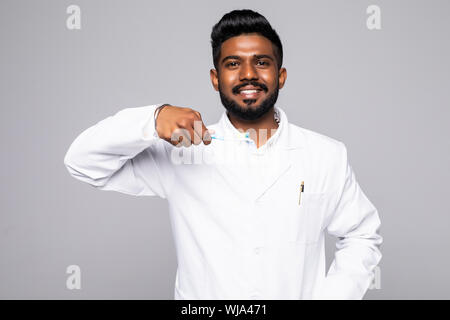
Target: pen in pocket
302 188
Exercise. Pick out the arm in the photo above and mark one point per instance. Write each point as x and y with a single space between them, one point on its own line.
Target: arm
355 222
122 153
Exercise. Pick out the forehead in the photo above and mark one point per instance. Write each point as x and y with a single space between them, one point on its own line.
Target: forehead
246 44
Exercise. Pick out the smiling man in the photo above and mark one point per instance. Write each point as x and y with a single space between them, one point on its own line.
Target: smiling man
248 76
251 229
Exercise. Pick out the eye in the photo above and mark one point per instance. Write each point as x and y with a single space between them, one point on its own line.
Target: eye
263 62
230 64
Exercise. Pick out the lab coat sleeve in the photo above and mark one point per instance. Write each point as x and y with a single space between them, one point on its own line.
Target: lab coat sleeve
355 222
122 153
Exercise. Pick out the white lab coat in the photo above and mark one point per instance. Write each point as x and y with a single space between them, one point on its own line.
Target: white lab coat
239 230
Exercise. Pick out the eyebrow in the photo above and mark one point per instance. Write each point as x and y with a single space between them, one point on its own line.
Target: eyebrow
258 56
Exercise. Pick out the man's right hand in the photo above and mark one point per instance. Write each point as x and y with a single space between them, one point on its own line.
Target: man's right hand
182 126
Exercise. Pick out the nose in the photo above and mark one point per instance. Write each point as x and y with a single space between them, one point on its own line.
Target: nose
248 72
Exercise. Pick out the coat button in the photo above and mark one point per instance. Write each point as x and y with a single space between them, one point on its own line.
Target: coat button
257 250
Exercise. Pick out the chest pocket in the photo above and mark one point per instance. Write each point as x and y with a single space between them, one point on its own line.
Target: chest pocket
307 219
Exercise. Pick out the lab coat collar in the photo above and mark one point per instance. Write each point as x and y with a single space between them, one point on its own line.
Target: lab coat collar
283 138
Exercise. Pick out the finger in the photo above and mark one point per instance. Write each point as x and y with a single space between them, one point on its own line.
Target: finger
187 137
207 135
186 125
200 131
197 131
177 138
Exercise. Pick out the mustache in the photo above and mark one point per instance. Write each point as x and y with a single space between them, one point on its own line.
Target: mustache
252 83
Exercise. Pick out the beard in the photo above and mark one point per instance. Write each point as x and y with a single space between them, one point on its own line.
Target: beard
249 113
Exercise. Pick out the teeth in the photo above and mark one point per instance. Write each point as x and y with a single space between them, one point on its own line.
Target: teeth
249 91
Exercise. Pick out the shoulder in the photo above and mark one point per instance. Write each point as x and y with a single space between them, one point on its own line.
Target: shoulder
315 141
326 154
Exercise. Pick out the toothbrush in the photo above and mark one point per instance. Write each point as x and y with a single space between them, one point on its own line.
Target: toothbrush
213 136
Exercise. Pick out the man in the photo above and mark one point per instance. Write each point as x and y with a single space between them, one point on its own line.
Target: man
250 196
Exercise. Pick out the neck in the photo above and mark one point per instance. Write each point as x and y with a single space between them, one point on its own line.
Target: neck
260 130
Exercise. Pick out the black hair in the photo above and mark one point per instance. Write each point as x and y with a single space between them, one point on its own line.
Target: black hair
238 22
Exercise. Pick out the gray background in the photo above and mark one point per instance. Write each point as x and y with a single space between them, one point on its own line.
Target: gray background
384 93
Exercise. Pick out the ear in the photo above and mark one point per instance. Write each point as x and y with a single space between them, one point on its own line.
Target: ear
214 79
282 75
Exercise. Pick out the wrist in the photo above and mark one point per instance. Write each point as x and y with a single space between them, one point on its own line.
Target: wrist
158 110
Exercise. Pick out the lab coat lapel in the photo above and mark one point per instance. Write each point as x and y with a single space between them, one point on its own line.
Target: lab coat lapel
288 155
284 156
236 177
272 173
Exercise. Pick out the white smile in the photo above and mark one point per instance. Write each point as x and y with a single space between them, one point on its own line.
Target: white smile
249 91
